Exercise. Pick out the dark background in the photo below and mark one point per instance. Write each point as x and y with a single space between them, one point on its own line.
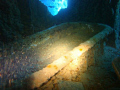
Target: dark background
20 18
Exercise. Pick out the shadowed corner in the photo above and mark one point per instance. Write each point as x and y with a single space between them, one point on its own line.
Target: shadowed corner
116 66
28 83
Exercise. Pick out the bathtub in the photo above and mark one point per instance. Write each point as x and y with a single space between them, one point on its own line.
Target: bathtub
57 53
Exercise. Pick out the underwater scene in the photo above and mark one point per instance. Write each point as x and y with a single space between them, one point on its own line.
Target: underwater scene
60 45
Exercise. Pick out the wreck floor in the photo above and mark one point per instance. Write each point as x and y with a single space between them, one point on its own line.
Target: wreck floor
102 76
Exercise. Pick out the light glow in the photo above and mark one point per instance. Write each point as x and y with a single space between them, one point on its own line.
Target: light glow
76 53
54 6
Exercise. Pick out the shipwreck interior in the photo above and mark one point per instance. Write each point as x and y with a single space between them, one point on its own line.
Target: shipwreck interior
60 45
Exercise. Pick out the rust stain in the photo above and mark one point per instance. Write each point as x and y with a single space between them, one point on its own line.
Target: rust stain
50 36
85 61
52 66
0 75
80 49
65 57
49 66
55 67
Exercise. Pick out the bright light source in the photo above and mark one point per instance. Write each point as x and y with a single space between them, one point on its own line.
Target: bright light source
76 53
54 6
